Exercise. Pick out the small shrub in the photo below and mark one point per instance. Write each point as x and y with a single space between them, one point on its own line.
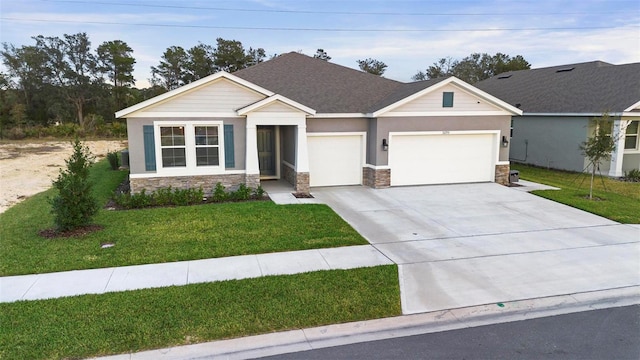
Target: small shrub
74 206
114 160
134 201
219 194
183 197
632 175
259 192
163 197
242 193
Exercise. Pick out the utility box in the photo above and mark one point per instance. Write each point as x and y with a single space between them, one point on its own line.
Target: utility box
124 159
514 176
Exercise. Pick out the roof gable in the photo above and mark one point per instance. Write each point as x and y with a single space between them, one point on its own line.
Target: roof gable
584 88
228 91
429 99
276 103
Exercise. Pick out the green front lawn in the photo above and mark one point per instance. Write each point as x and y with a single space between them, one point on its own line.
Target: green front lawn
617 200
95 325
163 234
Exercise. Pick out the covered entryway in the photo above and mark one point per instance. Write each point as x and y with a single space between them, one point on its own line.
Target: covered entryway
335 158
267 139
442 158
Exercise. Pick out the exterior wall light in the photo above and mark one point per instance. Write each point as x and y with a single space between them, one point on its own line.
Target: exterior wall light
505 142
385 145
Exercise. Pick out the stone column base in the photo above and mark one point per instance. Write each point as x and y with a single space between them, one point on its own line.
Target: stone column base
302 182
502 174
376 178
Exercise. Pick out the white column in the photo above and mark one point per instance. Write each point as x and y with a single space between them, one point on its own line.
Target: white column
251 164
615 167
302 154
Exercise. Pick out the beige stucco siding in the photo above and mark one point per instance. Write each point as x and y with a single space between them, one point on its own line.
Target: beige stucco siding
384 125
432 101
222 96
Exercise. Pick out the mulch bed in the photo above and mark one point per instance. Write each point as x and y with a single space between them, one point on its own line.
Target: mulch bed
81 231
302 196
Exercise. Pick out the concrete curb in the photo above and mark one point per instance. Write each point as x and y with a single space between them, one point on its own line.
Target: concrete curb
400 326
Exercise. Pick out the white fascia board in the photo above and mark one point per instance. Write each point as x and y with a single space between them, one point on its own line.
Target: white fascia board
272 99
459 83
635 114
182 114
339 115
206 80
635 106
443 113
570 114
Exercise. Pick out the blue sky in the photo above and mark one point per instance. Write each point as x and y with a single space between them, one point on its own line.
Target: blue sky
407 35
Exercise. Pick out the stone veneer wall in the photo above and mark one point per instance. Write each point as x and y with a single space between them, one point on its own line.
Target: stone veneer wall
376 178
207 182
502 174
288 174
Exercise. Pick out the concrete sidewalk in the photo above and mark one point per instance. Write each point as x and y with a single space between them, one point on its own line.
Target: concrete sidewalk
99 281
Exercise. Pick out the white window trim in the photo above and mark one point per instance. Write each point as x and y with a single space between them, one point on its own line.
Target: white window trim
190 149
635 150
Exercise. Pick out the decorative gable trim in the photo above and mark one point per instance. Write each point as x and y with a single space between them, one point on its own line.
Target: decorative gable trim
634 107
272 99
189 87
459 83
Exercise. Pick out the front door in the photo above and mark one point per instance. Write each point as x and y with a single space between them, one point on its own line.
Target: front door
267 151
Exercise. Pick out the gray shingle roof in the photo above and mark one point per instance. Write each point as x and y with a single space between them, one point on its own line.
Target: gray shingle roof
592 87
327 87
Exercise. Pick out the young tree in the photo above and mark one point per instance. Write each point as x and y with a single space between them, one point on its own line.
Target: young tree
599 146
116 61
322 55
372 66
74 206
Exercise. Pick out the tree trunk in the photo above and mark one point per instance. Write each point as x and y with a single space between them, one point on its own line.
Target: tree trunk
593 174
79 109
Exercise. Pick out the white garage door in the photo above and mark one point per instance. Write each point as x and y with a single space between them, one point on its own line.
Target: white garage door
441 158
335 159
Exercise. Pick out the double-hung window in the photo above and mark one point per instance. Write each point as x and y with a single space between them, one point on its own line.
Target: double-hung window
173 146
207 146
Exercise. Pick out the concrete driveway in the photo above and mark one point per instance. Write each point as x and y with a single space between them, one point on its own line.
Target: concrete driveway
474 244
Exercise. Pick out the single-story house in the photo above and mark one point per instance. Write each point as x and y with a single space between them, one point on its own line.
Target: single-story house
559 104
314 123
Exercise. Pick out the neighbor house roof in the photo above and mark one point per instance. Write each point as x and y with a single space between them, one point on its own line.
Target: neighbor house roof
321 85
584 88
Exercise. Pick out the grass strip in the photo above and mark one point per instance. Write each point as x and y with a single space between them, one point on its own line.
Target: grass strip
163 234
96 325
616 200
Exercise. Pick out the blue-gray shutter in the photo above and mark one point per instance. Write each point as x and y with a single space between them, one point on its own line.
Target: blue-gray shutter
229 156
447 99
149 148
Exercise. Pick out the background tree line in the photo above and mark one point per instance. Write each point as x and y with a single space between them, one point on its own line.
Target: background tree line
63 81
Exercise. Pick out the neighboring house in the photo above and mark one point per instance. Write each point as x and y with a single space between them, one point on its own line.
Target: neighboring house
314 123
559 103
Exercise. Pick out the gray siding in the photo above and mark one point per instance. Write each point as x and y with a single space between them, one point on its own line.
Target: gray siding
337 125
136 145
630 162
435 123
288 144
549 141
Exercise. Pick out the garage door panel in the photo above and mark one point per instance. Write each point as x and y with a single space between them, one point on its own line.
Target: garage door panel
335 160
441 159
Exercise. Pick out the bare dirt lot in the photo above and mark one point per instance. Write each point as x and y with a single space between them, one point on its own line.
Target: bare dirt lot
27 168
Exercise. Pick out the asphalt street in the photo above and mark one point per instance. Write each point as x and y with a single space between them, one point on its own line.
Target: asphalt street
612 333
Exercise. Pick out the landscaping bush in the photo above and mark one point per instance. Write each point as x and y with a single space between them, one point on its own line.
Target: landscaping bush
259 192
632 175
219 193
242 193
114 160
161 197
74 206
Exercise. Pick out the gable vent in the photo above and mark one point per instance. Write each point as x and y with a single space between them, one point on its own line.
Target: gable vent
505 76
565 69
